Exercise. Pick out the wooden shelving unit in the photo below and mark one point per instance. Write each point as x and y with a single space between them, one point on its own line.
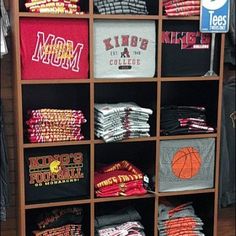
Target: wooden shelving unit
206 199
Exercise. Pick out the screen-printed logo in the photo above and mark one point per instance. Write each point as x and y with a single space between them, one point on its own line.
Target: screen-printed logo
56 169
187 40
57 52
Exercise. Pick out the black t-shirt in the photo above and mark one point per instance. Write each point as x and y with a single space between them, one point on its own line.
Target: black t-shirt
186 51
54 176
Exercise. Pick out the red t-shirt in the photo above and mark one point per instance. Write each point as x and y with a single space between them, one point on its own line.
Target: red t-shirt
54 48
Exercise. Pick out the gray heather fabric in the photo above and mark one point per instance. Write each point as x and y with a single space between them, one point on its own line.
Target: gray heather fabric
163 212
115 122
227 155
203 179
168 222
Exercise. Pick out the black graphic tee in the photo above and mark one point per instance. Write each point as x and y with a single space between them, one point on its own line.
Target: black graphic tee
186 51
54 176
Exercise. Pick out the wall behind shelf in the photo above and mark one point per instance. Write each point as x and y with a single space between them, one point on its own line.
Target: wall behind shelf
8 228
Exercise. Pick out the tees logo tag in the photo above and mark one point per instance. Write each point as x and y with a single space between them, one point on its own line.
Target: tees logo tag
214 18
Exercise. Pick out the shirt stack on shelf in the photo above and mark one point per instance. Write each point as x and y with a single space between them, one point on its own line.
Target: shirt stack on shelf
184 120
69 230
54 6
121 7
182 7
115 122
121 223
119 179
51 125
180 220
64 221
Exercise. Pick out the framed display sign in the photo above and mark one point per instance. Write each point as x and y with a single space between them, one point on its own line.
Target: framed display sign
214 16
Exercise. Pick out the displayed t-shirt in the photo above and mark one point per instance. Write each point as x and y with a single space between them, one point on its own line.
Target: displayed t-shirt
56 176
186 51
54 48
122 50
186 164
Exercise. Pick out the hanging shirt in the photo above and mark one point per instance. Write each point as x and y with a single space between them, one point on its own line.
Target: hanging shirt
4 25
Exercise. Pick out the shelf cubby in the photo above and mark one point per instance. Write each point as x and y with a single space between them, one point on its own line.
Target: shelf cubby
141 156
186 51
129 92
142 206
57 96
203 205
192 93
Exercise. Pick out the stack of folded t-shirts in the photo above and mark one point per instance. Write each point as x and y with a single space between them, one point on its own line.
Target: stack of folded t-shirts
182 7
53 6
184 120
121 223
121 7
51 125
114 122
179 221
119 179
63 221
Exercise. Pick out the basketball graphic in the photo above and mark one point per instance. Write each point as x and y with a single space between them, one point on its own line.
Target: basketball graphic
186 162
